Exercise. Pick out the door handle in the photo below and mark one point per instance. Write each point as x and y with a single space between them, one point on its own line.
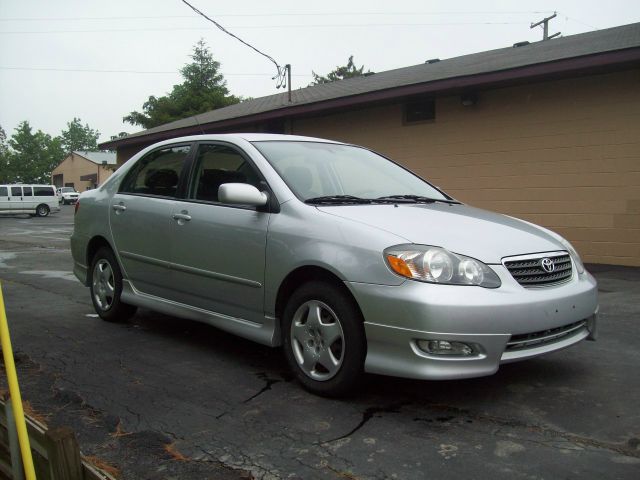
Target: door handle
119 208
181 216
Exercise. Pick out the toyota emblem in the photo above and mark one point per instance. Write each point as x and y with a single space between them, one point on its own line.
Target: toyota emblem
547 265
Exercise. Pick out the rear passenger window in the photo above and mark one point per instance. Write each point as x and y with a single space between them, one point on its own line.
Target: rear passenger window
16 191
27 192
219 164
158 173
4 192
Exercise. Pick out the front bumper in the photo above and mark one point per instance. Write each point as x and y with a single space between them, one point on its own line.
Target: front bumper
539 320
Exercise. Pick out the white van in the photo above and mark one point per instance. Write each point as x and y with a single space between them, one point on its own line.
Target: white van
37 200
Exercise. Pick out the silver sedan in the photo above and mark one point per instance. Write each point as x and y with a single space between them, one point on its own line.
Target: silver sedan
346 259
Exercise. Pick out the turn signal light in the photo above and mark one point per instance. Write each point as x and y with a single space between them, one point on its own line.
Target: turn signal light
399 266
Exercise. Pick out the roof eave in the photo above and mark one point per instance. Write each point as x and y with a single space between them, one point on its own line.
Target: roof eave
560 68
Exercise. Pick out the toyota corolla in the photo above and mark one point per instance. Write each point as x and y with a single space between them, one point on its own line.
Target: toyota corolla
344 258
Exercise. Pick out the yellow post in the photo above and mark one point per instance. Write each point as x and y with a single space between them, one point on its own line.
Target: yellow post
14 390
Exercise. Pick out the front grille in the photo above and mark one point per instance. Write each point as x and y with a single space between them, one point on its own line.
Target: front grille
537 339
529 272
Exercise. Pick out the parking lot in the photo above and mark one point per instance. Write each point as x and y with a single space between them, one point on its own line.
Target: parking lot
161 397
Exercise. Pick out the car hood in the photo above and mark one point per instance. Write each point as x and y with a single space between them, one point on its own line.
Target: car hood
469 231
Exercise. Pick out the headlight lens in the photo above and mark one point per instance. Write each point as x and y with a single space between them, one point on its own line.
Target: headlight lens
572 251
437 265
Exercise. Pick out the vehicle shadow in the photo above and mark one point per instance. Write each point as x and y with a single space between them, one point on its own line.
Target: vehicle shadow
526 379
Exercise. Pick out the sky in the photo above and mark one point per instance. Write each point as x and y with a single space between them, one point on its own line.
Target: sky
99 60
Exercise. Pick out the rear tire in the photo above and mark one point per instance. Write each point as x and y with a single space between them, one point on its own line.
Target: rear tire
42 210
106 288
324 339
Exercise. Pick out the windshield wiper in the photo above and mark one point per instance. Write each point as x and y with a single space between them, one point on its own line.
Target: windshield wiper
417 199
337 199
342 199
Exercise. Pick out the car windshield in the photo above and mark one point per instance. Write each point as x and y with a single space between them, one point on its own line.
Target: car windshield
334 173
67 189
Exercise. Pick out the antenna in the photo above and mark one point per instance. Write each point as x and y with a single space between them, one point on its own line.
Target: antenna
545 23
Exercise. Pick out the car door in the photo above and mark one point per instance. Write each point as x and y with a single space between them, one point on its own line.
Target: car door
219 249
28 201
4 199
15 199
140 218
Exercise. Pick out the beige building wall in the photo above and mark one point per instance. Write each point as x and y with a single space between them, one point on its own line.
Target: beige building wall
564 154
75 166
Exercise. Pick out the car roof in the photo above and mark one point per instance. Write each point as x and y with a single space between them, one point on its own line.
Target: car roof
250 137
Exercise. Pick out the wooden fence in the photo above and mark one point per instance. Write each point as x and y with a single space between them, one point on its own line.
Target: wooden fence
56 455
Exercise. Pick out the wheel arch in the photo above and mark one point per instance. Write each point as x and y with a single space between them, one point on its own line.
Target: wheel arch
47 209
94 245
302 275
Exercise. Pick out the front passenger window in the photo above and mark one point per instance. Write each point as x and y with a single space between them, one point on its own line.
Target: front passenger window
158 173
219 164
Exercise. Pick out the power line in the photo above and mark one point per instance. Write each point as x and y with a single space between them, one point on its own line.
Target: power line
89 70
578 21
281 14
281 71
240 27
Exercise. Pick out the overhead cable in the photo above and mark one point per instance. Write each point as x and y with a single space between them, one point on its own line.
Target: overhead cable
281 71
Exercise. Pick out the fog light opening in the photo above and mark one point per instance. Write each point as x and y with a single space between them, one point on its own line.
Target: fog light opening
446 347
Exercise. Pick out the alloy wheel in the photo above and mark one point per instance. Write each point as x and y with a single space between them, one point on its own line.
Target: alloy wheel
103 284
317 340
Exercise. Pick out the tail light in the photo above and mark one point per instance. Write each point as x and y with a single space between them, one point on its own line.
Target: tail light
76 207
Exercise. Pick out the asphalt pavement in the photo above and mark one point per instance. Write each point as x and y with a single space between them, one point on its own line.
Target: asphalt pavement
161 397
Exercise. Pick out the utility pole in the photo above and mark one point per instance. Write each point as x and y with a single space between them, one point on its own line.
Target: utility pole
283 78
545 24
288 67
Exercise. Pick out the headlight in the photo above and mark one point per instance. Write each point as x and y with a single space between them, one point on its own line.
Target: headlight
437 265
572 251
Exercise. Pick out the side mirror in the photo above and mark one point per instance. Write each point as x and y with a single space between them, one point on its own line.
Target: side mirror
241 194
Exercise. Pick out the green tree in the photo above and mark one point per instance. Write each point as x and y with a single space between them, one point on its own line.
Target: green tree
3 140
203 89
5 163
33 156
340 73
76 137
120 135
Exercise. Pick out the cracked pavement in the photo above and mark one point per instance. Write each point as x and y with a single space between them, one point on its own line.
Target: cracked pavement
230 408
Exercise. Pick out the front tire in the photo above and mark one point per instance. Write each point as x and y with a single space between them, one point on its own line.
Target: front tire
106 288
324 339
42 210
